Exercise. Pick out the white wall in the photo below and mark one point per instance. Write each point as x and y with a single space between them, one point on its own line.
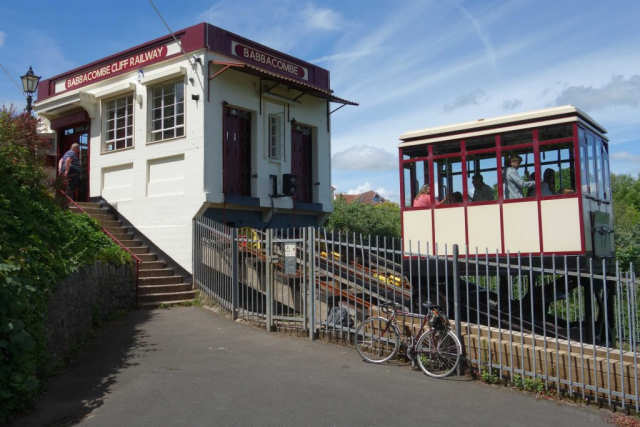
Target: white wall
159 186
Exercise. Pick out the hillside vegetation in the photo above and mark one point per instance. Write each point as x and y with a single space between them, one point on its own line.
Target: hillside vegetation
41 243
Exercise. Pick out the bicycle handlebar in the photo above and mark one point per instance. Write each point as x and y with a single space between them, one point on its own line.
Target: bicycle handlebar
395 307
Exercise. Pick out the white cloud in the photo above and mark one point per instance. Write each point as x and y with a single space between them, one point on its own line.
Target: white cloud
3 37
364 158
383 192
343 56
320 18
475 97
617 92
511 104
625 157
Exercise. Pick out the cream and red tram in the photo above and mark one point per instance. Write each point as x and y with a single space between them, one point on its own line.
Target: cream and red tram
457 186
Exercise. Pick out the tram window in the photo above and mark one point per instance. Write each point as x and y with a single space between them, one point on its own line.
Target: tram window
606 172
599 170
517 138
583 161
416 177
482 177
555 132
518 174
557 164
481 143
414 152
448 180
591 172
446 148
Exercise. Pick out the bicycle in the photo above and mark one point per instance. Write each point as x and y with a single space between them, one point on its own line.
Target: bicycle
437 351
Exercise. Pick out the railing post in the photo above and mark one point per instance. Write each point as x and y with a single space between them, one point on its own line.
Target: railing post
235 293
456 296
312 283
268 276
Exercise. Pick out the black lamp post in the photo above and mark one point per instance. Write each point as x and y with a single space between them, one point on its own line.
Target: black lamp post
30 85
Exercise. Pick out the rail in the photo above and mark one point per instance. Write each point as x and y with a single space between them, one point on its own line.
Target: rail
134 256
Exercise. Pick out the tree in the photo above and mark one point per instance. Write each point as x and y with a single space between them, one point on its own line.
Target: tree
382 220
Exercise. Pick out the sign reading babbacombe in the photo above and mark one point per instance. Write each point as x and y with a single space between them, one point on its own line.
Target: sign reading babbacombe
246 52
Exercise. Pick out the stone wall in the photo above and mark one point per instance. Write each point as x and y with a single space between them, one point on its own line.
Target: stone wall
86 298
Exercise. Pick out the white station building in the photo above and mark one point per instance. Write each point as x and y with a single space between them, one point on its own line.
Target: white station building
202 121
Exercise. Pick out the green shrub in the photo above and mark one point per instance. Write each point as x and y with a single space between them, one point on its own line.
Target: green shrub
41 243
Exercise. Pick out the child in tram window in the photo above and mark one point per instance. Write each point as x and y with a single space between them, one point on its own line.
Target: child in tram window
423 199
514 184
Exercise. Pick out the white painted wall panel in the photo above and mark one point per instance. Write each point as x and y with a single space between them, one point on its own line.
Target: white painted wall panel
418 231
165 176
484 228
561 225
117 182
521 230
450 229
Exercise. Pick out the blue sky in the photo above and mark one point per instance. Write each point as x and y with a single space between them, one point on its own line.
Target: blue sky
410 64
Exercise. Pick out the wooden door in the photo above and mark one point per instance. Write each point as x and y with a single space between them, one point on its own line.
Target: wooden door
301 162
237 152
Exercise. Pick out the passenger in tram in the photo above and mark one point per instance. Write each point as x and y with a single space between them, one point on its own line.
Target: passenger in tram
548 182
482 192
423 199
514 184
455 198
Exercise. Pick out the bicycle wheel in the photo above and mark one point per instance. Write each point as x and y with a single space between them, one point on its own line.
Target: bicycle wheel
438 353
377 340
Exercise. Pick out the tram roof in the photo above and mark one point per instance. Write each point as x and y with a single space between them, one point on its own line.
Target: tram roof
546 116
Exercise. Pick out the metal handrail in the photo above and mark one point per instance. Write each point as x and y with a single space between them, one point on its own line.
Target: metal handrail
138 260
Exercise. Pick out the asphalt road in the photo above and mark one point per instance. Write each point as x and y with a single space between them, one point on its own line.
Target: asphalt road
191 367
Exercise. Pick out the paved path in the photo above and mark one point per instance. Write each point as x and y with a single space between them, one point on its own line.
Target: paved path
191 367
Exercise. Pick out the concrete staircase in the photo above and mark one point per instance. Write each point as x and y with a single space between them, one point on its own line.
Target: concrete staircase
157 284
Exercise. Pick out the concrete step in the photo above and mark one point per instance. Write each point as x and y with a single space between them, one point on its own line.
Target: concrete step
148 259
168 297
156 272
103 216
90 210
149 305
123 236
109 223
131 243
168 280
164 289
116 230
151 264
88 205
140 250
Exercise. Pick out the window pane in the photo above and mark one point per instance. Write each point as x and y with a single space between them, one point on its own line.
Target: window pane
607 176
518 179
599 173
180 132
414 152
448 180
416 188
558 169
591 171
516 138
481 143
446 147
482 177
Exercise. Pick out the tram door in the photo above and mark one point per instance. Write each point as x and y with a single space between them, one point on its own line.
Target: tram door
301 162
78 134
237 152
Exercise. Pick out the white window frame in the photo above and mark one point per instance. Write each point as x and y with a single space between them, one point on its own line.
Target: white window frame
177 130
110 144
276 136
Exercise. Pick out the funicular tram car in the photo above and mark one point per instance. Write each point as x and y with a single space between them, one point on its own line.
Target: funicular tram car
531 183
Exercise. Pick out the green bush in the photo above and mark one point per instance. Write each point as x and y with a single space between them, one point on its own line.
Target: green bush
41 243
382 220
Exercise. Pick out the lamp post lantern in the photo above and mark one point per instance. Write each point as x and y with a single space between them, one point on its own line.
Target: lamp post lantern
30 85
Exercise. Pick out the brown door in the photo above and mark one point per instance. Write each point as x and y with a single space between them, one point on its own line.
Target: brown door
301 162
78 134
236 162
